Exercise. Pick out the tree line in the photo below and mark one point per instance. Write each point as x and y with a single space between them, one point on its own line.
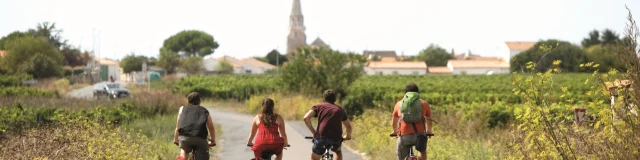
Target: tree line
40 52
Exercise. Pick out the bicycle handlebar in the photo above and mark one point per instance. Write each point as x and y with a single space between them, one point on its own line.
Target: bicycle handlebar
251 145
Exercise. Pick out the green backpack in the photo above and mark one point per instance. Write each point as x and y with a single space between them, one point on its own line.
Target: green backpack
411 107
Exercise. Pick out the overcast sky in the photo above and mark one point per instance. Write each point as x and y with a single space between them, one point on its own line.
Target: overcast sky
246 28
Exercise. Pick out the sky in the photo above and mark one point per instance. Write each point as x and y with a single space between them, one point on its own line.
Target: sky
247 28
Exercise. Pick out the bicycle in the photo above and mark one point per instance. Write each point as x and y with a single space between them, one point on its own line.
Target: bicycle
193 152
266 155
328 154
411 155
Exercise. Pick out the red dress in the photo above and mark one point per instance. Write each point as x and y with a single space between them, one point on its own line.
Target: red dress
268 139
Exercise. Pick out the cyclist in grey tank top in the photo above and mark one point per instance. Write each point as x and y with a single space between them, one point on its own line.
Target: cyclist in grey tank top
192 125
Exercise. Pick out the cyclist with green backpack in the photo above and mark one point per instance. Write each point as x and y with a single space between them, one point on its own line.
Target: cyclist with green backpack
408 121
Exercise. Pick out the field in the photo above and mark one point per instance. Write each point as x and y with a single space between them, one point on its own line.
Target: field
476 115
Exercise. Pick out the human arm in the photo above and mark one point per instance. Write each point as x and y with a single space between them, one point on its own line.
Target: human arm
307 121
254 129
175 133
283 133
212 131
394 120
427 117
347 125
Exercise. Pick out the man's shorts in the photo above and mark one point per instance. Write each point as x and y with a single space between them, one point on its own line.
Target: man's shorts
321 145
197 144
406 142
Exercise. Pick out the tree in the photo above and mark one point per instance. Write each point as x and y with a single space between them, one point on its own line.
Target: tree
34 56
191 43
435 55
192 65
132 63
593 39
606 57
168 60
11 37
544 53
315 69
275 58
225 67
609 37
74 57
49 31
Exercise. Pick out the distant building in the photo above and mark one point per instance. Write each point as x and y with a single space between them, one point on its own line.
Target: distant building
438 70
371 55
107 68
478 67
516 48
319 43
392 67
244 66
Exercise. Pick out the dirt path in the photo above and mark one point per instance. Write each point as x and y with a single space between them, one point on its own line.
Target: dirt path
236 128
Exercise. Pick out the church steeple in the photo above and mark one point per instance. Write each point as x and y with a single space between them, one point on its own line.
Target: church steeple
296 37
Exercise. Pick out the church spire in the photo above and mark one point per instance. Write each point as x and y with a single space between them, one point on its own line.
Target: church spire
296 37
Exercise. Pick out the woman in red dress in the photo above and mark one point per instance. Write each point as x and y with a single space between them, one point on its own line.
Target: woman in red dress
271 133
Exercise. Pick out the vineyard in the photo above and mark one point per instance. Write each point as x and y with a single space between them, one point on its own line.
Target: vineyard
228 87
383 91
13 86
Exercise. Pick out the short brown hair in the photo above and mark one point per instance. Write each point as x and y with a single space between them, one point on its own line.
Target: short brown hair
411 87
193 98
329 96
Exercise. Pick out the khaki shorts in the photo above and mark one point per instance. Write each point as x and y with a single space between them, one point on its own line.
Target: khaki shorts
406 143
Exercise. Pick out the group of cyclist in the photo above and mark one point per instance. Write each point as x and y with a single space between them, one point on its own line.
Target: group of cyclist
268 128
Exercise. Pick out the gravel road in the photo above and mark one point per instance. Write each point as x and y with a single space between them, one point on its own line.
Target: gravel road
86 92
236 128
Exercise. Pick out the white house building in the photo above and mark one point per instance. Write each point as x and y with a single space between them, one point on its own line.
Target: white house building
516 48
396 68
244 66
478 67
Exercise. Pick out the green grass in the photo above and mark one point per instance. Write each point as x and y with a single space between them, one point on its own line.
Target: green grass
159 130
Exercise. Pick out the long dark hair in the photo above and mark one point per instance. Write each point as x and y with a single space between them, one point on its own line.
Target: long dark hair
268 117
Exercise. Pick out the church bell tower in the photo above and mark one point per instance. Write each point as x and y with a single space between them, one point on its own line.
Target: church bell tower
296 37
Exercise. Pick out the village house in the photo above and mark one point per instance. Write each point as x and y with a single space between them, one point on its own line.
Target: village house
516 48
377 55
244 66
389 66
486 66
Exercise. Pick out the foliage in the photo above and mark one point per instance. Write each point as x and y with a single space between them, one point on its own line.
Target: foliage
74 56
384 91
225 67
34 56
435 55
132 63
570 55
78 138
168 60
191 43
239 87
609 37
606 57
13 80
456 136
192 65
275 58
25 92
11 37
289 106
315 69
593 39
